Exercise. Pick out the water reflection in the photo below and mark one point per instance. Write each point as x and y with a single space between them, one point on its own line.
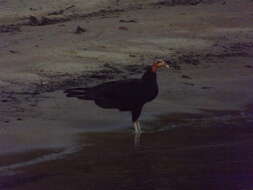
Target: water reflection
137 140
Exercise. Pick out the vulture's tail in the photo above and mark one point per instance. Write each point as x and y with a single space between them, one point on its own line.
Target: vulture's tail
81 93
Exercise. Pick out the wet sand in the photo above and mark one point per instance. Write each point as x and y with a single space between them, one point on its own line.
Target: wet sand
200 151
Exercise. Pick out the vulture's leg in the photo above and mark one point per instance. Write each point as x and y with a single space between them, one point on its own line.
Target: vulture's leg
139 127
136 128
135 115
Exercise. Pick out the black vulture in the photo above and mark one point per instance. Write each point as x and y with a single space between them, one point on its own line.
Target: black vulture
125 95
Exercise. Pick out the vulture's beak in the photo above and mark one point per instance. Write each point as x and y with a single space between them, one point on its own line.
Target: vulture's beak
162 63
167 64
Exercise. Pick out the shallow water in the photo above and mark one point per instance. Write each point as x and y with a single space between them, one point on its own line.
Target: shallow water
198 159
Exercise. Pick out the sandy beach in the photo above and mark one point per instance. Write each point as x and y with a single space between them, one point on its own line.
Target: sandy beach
197 132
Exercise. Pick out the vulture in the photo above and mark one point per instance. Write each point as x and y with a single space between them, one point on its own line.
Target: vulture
124 95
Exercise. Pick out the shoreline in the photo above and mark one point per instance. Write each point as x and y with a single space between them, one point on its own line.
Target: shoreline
209 126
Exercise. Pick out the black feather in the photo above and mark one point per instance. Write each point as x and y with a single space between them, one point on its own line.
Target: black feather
125 95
